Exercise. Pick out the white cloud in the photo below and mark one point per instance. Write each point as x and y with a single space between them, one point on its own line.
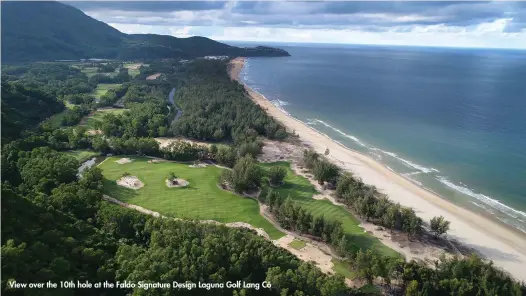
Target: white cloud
489 34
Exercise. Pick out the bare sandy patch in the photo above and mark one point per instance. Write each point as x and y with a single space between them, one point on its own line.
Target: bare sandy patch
235 66
133 66
308 253
153 77
124 160
164 141
94 132
273 151
177 182
131 182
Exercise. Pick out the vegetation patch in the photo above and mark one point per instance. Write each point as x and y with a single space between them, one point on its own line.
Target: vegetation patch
97 117
297 244
82 155
301 191
202 199
133 68
102 88
343 268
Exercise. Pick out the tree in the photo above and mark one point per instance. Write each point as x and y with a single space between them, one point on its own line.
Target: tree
364 263
44 169
325 171
439 225
276 175
245 175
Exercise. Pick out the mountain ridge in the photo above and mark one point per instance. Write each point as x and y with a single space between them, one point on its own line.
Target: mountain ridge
50 30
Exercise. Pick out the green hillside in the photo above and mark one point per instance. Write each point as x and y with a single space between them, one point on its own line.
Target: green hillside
38 31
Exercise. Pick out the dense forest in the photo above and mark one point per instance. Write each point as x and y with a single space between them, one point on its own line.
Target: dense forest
58 31
216 108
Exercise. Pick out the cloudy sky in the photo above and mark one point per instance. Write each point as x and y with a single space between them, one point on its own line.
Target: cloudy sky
459 24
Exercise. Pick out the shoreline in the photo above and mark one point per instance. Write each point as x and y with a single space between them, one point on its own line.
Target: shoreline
497 242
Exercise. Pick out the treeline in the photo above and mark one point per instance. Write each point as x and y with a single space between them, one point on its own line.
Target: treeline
217 109
148 119
363 199
56 79
293 217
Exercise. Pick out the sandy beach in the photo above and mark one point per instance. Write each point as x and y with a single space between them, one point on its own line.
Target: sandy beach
506 247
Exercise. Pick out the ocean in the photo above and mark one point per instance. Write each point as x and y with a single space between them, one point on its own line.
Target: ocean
451 120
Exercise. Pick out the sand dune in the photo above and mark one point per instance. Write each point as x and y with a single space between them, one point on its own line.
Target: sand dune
506 247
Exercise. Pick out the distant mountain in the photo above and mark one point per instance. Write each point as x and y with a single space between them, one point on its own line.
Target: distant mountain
37 31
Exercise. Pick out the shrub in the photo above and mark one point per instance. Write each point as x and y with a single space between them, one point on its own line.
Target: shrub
276 175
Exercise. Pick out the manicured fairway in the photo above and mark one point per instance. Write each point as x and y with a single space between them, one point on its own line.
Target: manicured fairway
202 199
99 114
82 155
297 244
301 191
102 88
89 71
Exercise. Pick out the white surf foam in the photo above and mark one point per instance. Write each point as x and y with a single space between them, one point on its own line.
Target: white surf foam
411 173
280 104
342 133
421 168
493 203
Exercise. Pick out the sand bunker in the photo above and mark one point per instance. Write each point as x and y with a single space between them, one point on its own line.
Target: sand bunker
199 165
153 77
131 182
156 160
123 160
178 183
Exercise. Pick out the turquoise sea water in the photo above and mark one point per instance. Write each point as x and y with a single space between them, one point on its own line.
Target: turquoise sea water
452 120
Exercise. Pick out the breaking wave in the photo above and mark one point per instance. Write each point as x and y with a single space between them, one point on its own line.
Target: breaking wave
355 139
280 104
488 201
421 168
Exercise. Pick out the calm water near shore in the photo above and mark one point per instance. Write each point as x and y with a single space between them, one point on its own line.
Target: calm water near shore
452 120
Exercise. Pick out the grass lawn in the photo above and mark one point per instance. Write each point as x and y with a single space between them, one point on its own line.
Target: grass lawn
297 244
82 155
89 71
132 72
99 114
56 120
102 88
301 191
69 105
201 199
343 268
92 71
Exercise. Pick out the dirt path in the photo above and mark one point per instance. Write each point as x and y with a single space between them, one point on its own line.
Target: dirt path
315 252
